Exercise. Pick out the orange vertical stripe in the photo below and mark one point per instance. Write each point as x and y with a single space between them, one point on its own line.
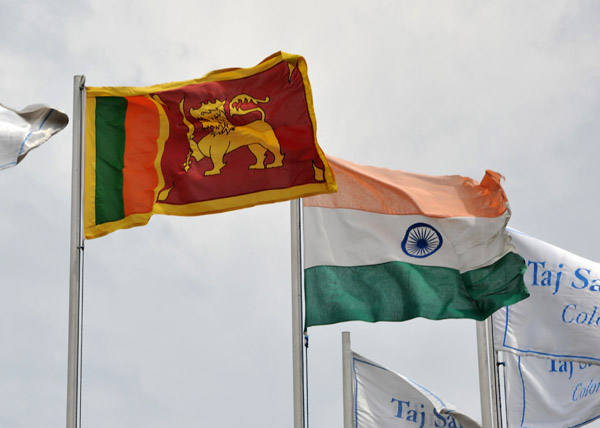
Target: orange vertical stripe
139 174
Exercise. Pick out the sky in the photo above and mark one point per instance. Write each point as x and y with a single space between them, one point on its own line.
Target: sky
187 321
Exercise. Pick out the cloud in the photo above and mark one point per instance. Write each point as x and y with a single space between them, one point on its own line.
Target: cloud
189 319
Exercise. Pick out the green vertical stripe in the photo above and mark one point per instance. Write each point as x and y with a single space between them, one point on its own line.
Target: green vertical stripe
399 291
110 150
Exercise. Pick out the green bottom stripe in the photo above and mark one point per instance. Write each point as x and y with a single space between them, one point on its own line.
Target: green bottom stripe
399 291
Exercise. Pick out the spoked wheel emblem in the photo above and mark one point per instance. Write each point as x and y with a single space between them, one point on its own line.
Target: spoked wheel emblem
421 240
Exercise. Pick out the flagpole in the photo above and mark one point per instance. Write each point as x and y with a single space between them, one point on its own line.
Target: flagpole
297 330
76 260
494 378
347 378
488 396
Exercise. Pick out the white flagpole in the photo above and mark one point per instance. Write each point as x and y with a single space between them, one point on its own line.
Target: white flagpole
76 262
297 330
484 380
487 376
347 378
494 378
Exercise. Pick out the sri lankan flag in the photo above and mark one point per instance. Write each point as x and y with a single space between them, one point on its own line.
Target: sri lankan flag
232 139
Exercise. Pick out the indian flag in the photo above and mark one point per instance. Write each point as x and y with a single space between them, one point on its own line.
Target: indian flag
393 245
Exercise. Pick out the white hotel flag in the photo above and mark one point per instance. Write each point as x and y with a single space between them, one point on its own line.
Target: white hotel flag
384 399
24 130
561 318
547 393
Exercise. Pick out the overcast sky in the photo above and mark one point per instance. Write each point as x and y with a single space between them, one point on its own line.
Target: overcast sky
187 321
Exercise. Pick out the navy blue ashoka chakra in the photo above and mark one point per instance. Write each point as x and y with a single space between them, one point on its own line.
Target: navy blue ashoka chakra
421 240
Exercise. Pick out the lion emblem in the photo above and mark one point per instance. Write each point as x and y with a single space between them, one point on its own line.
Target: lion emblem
225 137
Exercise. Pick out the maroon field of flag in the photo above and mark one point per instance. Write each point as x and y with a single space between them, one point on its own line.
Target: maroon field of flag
232 139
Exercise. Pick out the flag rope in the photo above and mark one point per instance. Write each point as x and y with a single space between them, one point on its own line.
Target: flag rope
80 339
306 380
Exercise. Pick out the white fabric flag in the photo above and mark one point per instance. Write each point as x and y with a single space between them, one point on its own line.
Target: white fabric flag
547 393
384 399
23 130
561 318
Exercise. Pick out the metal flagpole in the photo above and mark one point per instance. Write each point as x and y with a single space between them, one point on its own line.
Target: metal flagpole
484 380
76 262
494 378
347 378
297 330
487 377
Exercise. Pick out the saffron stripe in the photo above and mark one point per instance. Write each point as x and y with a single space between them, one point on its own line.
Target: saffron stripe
399 291
394 192
110 149
139 174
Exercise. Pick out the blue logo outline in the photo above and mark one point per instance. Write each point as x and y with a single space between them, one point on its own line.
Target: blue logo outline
421 240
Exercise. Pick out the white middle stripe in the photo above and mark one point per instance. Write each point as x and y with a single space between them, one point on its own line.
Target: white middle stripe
346 237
